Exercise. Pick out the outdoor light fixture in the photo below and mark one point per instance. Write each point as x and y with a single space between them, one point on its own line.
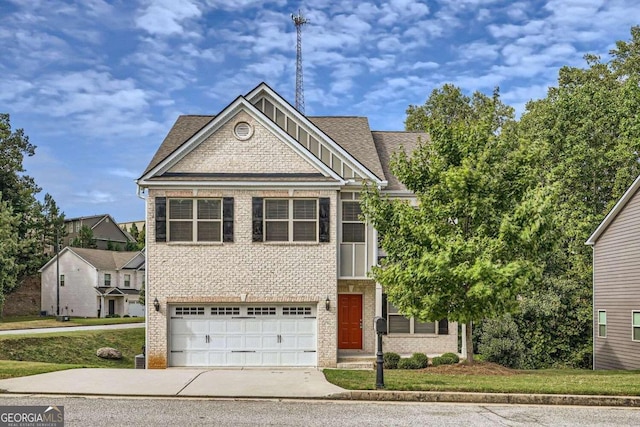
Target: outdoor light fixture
156 304
327 304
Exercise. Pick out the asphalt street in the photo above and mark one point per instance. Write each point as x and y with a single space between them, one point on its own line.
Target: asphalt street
109 412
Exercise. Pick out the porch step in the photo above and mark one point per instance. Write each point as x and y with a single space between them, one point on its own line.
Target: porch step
356 362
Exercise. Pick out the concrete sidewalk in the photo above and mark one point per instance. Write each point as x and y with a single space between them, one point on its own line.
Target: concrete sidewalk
70 329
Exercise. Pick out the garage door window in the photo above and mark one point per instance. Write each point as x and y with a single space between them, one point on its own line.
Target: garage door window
225 311
189 311
261 311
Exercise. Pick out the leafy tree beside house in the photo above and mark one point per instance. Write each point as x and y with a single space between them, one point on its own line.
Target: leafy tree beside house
84 239
464 252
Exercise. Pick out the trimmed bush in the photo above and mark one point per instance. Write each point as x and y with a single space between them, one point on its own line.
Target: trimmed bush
391 360
500 342
452 356
407 363
421 360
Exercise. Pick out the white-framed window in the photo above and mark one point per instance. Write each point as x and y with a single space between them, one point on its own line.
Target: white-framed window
77 226
195 220
290 220
635 325
353 248
127 280
399 324
62 280
107 279
602 323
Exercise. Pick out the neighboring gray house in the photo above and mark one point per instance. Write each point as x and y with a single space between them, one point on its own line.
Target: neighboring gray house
104 229
256 251
616 285
93 283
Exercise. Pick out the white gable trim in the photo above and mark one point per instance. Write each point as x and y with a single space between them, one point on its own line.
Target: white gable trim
631 191
346 156
240 104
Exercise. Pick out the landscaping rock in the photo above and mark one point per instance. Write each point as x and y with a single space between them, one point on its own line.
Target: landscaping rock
109 353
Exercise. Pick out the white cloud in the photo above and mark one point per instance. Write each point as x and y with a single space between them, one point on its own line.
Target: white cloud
167 17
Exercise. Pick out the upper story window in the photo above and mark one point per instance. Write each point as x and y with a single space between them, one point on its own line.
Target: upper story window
195 220
107 279
635 325
62 280
353 228
127 280
291 220
602 323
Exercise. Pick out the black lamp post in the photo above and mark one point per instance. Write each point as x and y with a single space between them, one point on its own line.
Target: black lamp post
381 329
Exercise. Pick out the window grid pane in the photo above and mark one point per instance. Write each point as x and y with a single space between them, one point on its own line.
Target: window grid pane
180 209
304 209
424 327
180 231
602 317
351 211
304 231
399 324
276 209
209 231
636 333
277 231
353 232
602 331
209 209
636 318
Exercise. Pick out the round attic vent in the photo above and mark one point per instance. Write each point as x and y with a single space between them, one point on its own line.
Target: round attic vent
243 130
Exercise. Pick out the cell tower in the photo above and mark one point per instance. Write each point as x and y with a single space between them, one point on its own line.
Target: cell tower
299 21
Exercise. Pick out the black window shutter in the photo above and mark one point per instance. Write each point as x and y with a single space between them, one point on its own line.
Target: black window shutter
443 327
161 219
257 215
324 216
227 219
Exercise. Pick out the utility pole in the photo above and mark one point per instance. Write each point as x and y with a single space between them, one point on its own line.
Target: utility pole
57 274
299 21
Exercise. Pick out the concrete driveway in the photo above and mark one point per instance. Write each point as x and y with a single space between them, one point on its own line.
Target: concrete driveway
245 383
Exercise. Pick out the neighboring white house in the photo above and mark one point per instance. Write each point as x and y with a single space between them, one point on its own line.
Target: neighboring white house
257 254
93 283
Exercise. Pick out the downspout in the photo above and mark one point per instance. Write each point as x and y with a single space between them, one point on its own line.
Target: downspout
593 306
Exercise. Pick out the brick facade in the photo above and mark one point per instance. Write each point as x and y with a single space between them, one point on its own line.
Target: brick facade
242 271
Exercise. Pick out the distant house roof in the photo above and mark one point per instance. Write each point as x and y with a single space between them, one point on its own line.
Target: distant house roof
102 259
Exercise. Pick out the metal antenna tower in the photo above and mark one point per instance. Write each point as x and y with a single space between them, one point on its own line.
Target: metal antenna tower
299 21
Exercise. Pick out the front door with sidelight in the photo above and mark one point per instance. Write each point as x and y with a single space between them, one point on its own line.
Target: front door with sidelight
350 321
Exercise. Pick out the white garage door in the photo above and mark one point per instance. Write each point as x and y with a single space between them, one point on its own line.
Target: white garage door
243 335
136 309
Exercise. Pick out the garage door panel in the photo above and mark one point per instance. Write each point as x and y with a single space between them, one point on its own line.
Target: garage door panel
250 335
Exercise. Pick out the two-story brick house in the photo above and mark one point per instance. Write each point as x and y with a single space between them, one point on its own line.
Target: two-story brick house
256 251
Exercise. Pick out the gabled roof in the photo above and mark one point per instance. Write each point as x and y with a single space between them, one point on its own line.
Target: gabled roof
626 197
351 137
100 259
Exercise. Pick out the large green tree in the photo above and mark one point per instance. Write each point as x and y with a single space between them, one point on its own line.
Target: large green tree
584 137
27 224
464 252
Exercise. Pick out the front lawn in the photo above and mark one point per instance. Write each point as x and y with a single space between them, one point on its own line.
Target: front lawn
69 349
35 322
501 380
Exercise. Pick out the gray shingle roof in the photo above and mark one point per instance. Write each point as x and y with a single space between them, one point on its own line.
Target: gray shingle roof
388 143
373 149
183 129
105 260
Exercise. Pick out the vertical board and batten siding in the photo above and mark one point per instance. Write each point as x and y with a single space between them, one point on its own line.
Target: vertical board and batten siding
617 289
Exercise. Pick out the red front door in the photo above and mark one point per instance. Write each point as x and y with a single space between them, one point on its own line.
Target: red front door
349 321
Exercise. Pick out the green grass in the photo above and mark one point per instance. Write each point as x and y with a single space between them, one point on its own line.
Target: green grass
12 368
550 381
72 349
33 322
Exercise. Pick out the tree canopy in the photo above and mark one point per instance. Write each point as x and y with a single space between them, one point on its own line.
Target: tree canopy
461 252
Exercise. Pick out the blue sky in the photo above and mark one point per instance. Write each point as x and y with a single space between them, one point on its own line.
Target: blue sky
97 84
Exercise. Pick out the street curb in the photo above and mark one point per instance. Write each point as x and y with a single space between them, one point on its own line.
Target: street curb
489 398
